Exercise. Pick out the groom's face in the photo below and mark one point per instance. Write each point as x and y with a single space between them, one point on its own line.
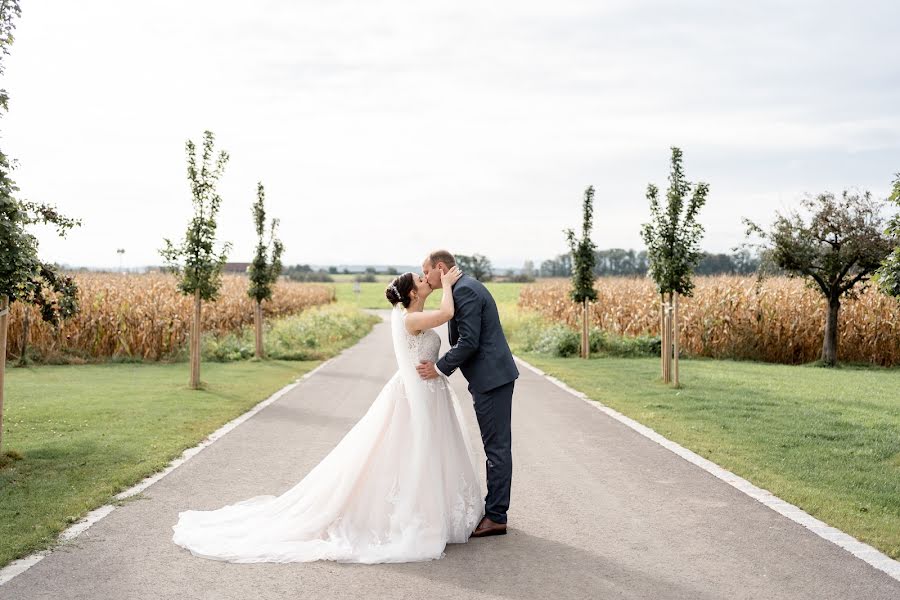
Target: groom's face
432 273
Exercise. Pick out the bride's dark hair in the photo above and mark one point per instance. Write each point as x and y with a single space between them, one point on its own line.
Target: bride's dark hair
400 288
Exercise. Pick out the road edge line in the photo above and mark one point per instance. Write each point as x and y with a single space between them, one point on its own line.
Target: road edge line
860 550
20 565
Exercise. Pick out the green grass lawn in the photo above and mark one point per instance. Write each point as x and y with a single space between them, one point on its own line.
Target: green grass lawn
827 440
87 432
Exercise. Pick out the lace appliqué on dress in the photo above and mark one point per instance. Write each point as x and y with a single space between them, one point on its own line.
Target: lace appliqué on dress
426 346
465 512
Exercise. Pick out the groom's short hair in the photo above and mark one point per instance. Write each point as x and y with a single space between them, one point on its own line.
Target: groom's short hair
442 256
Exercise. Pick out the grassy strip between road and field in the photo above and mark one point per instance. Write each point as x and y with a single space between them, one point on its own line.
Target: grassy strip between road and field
86 432
315 334
826 440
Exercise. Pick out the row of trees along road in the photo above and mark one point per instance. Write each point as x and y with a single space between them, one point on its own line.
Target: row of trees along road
197 263
836 244
672 237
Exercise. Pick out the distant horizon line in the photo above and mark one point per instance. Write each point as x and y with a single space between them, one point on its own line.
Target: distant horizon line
350 266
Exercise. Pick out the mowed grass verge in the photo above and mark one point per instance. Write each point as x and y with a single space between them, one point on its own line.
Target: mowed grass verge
827 440
86 432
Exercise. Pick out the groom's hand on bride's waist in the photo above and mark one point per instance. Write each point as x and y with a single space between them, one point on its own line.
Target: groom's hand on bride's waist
426 370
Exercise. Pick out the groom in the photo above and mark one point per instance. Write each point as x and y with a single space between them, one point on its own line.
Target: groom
479 349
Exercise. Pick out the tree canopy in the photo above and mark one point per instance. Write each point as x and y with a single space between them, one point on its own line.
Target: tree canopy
888 275
582 250
673 233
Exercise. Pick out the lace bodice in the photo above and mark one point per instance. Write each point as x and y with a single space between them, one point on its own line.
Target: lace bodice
426 345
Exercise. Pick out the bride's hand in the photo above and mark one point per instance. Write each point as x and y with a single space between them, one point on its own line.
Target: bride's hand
450 277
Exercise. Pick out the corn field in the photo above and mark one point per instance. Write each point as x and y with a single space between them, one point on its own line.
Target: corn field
144 316
776 320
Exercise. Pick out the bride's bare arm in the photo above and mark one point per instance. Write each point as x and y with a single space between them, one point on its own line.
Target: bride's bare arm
429 319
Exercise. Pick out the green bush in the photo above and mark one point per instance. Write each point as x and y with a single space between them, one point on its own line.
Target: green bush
558 340
522 329
314 334
530 332
601 342
228 348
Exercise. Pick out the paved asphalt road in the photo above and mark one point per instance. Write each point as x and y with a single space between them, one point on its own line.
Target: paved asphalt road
597 512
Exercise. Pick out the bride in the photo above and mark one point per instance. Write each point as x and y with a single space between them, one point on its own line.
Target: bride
398 487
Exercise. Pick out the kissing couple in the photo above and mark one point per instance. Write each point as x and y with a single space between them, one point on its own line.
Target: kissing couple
402 483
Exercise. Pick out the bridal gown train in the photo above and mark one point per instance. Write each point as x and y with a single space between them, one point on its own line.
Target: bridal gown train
398 487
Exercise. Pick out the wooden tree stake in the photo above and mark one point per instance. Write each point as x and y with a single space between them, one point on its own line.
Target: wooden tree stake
260 353
4 320
662 336
675 334
195 343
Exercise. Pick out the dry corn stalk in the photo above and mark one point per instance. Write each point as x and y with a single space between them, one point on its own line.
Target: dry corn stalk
144 316
778 320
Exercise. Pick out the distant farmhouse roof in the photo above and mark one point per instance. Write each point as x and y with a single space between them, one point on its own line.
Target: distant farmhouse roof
235 267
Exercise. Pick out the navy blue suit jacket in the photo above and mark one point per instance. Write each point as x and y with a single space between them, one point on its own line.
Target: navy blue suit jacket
478 346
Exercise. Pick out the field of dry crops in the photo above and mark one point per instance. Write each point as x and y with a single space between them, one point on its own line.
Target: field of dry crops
144 316
778 320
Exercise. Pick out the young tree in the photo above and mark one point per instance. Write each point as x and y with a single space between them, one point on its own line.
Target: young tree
672 237
195 260
583 260
23 276
888 275
840 245
266 265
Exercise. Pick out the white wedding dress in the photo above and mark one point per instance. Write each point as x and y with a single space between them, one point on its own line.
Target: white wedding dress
398 487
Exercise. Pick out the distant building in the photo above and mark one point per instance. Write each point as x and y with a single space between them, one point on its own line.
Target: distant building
236 267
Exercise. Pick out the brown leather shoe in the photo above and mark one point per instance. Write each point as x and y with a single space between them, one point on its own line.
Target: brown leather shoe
488 527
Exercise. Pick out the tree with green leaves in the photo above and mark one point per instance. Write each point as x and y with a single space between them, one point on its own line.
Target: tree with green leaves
195 260
23 276
836 245
888 275
266 265
583 260
477 265
673 238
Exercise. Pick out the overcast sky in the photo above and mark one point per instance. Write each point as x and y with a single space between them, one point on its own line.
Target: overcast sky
383 129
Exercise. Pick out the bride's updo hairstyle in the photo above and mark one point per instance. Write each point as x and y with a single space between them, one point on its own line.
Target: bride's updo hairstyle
399 289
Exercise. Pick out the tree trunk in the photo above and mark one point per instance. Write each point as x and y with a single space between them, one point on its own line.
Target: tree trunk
662 336
195 343
675 335
667 339
25 323
258 318
585 330
829 344
4 319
